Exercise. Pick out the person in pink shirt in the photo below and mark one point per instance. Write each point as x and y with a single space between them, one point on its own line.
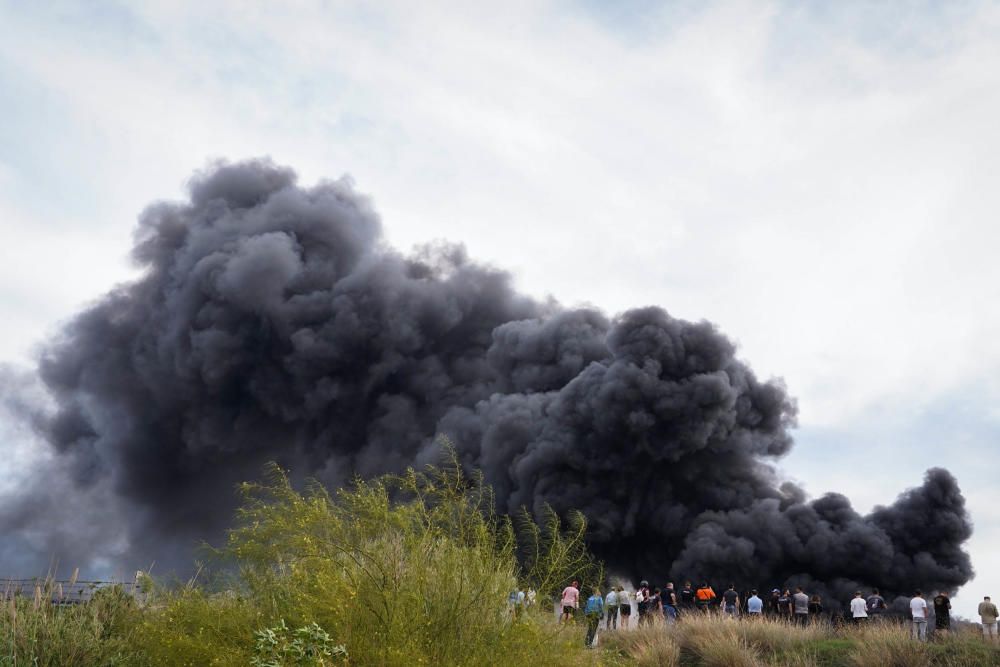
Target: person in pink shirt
570 600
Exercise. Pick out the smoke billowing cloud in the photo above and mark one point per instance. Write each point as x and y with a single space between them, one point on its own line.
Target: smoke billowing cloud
273 323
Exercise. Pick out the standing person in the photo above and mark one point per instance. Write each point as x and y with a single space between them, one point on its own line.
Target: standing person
642 600
988 616
918 610
755 606
593 611
704 597
785 605
859 609
570 601
611 609
876 605
730 601
669 601
687 597
624 606
772 603
942 613
530 597
800 606
654 606
815 607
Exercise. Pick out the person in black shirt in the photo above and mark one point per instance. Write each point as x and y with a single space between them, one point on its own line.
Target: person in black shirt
942 612
654 609
687 597
730 600
771 604
785 604
815 607
669 602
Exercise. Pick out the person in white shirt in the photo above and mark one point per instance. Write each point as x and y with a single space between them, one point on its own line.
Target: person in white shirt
611 608
918 610
859 608
755 606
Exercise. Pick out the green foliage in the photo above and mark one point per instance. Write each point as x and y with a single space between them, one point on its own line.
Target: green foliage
192 627
402 570
552 555
408 569
309 646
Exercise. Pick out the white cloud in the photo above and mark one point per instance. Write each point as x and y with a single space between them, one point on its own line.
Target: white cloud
820 185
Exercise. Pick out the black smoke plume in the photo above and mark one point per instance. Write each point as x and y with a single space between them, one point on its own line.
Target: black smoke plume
271 322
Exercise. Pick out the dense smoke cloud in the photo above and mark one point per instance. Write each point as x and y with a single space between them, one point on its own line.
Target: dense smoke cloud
272 323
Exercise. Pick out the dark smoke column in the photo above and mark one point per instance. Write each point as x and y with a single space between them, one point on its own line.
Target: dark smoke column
272 323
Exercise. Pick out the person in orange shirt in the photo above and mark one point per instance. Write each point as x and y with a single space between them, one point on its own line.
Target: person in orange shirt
704 597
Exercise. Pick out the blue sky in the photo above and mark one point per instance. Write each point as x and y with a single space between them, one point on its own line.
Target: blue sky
817 178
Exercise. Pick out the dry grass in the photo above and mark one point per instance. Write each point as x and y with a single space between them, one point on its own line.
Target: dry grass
710 641
888 645
648 646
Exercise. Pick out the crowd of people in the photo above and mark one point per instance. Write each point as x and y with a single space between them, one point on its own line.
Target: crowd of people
670 605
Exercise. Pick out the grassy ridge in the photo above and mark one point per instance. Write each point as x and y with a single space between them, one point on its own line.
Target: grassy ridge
714 641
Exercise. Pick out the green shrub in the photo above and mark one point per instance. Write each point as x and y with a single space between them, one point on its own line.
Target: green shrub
309 646
403 570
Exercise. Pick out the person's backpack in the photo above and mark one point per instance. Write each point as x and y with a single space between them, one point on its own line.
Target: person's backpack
593 605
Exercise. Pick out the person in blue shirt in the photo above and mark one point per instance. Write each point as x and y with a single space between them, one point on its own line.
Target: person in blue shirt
593 611
755 606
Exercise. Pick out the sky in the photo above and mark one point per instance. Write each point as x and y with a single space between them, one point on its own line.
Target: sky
816 178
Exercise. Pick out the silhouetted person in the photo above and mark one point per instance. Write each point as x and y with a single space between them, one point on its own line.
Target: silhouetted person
942 613
815 607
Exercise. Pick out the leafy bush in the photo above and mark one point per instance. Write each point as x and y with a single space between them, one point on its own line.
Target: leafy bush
309 646
402 570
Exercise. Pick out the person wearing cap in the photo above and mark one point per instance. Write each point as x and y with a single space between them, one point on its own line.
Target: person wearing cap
988 616
772 603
